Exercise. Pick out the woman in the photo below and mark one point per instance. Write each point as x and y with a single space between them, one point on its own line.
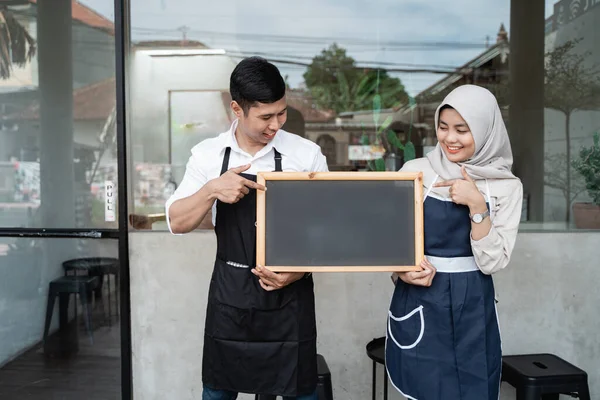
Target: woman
443 339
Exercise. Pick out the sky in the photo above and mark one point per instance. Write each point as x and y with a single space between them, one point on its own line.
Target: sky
399 34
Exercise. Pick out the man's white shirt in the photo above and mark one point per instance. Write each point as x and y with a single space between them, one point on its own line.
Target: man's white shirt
297 155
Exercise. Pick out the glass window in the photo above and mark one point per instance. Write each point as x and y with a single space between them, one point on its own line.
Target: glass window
57 101
60 335
81 342
364 81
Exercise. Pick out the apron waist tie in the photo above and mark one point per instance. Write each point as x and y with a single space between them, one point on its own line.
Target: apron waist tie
453 264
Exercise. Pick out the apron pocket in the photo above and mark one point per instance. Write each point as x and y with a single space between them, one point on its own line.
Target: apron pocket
251 324
255 367
406 332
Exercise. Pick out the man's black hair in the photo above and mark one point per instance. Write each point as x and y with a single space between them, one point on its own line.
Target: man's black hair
254 80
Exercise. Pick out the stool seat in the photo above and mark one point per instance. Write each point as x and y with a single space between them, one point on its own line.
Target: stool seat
73 284
535 375
100 264
376 350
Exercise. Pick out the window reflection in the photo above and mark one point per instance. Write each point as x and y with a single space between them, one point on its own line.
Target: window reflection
364 85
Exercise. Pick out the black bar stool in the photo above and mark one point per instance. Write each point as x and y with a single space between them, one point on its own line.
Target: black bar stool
324 386
544 376
98 266
64 287
376 352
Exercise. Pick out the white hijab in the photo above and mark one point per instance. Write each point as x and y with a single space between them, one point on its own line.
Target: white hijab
493 156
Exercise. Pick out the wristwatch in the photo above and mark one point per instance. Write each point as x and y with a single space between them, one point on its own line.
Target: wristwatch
478 218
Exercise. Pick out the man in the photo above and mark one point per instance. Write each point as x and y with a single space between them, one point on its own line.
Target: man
260 334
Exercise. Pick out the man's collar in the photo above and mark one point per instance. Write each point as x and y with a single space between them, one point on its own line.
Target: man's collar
277 141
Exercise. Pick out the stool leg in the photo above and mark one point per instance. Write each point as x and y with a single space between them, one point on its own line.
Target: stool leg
584 392
63 308
98 291
385 384
109 300
103 308
374 383
86 311
329 389
117 294
76 311
49 310
529 393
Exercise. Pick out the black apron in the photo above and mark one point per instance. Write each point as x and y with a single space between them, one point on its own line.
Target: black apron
255 341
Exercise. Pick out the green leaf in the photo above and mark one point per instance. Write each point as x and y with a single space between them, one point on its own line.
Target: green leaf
364 139
388 121
380 164
376 108
409 151
393 139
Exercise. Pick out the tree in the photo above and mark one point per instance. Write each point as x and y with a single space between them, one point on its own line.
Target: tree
556 176
570 85
336 83
16 44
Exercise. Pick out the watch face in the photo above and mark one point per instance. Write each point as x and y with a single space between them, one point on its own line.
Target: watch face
477 218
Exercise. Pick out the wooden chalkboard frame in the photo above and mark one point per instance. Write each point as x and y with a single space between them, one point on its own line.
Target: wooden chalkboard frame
263 177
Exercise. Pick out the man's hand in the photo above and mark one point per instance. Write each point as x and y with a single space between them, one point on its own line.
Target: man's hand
270 280
419 278
231 187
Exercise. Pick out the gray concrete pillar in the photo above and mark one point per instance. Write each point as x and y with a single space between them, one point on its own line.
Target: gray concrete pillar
56 112
526 120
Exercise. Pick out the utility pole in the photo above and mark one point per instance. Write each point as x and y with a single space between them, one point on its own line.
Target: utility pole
184 31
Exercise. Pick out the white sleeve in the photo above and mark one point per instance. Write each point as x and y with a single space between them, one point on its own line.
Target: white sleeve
319 163
492 252
193 180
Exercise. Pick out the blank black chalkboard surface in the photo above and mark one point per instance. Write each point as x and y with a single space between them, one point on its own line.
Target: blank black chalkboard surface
340 221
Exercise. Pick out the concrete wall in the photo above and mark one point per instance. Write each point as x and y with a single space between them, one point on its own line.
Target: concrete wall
548 303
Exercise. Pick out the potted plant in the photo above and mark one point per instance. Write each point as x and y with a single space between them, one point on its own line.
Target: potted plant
587 215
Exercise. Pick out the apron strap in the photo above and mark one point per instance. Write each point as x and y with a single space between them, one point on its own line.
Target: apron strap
225 165
488 192
489 198
277 160
430 187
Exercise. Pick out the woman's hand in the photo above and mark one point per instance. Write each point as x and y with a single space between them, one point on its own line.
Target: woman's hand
419 278
464 191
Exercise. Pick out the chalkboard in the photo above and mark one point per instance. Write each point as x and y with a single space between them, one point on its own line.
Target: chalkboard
340 221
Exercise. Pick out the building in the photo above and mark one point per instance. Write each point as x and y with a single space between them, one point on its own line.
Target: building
96 130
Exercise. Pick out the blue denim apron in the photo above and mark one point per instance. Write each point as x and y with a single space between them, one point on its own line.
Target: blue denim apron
443 341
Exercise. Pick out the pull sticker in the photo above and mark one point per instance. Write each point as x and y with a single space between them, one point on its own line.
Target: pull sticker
110 201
